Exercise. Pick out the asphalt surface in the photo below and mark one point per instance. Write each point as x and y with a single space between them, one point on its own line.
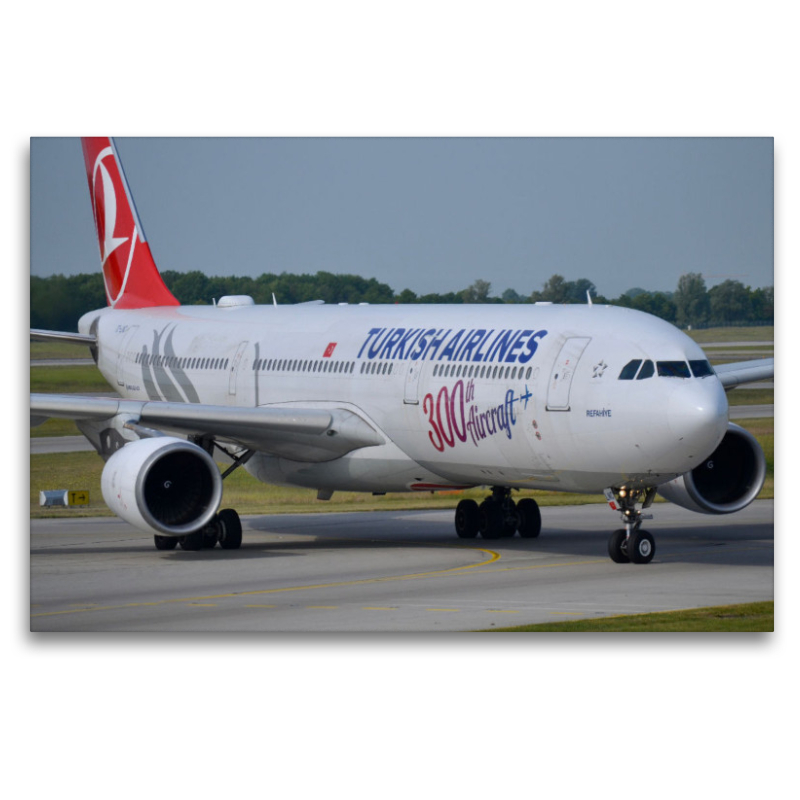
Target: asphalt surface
390 572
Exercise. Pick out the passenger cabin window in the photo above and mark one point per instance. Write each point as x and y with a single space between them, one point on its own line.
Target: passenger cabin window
701 368
673 369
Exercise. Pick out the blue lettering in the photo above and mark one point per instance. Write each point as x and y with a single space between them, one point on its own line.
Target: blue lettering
470 343
422 344
479 356
434 346
400 350
530 349
500 345
466 344
449 351
391 341
376 348
515 346
372 332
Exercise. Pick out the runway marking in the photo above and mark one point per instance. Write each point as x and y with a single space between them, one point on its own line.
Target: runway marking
379 608
493 556
501 611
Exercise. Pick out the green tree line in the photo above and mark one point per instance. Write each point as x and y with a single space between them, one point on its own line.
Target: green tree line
57 302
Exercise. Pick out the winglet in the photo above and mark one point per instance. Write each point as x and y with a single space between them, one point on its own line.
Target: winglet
130 274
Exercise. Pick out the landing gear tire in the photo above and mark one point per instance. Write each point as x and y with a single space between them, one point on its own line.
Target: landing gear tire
210 537
192 541
641 547
530 518
618 547
510 518
229 529
491 519
165 542
468 519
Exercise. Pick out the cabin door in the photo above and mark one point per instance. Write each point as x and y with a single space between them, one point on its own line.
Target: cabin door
411 393
235 365
121 359
563 373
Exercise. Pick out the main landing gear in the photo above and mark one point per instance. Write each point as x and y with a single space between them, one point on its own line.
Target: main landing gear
225 528
498 517
631 543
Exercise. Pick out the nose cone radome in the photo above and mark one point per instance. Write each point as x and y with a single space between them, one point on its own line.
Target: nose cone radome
698 416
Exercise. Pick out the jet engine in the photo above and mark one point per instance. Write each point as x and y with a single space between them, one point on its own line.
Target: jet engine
727 481
164 485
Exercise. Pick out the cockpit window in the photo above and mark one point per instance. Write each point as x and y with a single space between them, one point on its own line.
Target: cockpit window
629 370
673 369
701 369
647 370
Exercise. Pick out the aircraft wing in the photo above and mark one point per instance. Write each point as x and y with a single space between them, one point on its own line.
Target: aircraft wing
732 375
296 432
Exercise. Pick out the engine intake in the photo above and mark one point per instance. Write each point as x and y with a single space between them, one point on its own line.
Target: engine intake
164 485
727 481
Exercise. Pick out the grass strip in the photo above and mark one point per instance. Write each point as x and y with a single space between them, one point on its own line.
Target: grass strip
74 380
744 617
763 333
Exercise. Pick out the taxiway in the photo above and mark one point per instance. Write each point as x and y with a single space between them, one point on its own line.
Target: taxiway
401 571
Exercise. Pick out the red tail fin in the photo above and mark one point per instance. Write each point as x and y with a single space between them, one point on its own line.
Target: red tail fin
130 274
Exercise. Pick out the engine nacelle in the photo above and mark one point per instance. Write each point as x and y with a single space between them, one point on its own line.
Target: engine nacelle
163 485
727 481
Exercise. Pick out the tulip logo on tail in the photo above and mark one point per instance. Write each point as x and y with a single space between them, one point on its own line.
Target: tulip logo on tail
130 275
105 206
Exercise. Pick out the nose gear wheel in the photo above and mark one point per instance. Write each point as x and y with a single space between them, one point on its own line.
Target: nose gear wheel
631 544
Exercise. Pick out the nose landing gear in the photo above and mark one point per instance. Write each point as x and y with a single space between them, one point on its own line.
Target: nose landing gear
631 543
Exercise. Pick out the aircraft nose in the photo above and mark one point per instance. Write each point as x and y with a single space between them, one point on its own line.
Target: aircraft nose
698 415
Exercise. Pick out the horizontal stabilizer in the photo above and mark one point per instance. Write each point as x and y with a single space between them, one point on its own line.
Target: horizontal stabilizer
62 336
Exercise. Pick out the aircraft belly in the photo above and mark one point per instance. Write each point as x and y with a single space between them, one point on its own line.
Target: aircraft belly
373 469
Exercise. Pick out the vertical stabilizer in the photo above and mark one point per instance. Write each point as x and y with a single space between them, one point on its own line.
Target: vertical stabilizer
131 277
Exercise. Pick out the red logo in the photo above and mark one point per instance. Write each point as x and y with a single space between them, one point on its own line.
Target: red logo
329 350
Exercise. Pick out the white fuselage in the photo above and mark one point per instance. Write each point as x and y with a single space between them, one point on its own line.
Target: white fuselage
525 396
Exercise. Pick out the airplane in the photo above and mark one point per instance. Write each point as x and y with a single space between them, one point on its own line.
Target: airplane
392 398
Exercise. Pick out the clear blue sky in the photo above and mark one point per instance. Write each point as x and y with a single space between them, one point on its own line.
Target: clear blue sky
431 215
